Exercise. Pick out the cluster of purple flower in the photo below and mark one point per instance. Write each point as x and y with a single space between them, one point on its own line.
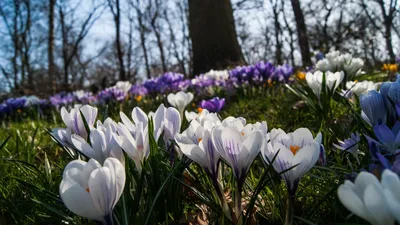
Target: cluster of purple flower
260 73
168 82
380 110
61 99
18 104
111 94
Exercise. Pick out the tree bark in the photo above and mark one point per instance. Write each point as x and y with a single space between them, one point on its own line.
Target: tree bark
277 26
142 34
213 34
116 11
301 33
50 47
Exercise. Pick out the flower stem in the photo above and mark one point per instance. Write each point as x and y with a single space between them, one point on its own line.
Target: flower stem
289 210
108 219
238 206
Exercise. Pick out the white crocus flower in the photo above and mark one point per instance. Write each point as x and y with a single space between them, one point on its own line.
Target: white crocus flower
332 81
79 94
172 124
197 126
391 191
298 151
91 190
196 144
366 198
102 145
238 150
352 66
362 87
73 119
124 86
135 142
180 100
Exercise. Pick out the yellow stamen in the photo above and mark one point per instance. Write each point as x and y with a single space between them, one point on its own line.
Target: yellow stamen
301 75
294 149
138 98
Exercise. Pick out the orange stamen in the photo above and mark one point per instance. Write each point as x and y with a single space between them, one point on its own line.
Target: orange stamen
87 190
199 109
294 149
199 139
138 98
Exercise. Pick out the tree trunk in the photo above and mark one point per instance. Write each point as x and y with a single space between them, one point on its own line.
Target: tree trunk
277 27
388 38
118 42
301 33
142 34
50 47
213 34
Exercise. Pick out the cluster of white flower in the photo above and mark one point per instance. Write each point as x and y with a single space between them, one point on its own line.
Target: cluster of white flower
335 61
91 189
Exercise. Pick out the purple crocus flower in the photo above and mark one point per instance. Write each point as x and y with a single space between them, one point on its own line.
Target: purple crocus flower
383 163
138 90
61 99
168 82
350 145
388 138
4 109
16 103
373 108
112 93
319 56
213 105
84 97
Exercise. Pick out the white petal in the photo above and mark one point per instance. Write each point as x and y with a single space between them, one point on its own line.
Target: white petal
82 145
365 179
117 170
127 122
139 116
90 114
98 141
391 185
66 117
250 149
102 190
78 200
376 205
305 159
352 202
301 136
171 99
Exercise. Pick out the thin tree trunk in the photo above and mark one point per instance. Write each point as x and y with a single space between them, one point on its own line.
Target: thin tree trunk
174 44
388 38
15 38
117 18
301 33
277 26
213 34
160 46
142 30
50 47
